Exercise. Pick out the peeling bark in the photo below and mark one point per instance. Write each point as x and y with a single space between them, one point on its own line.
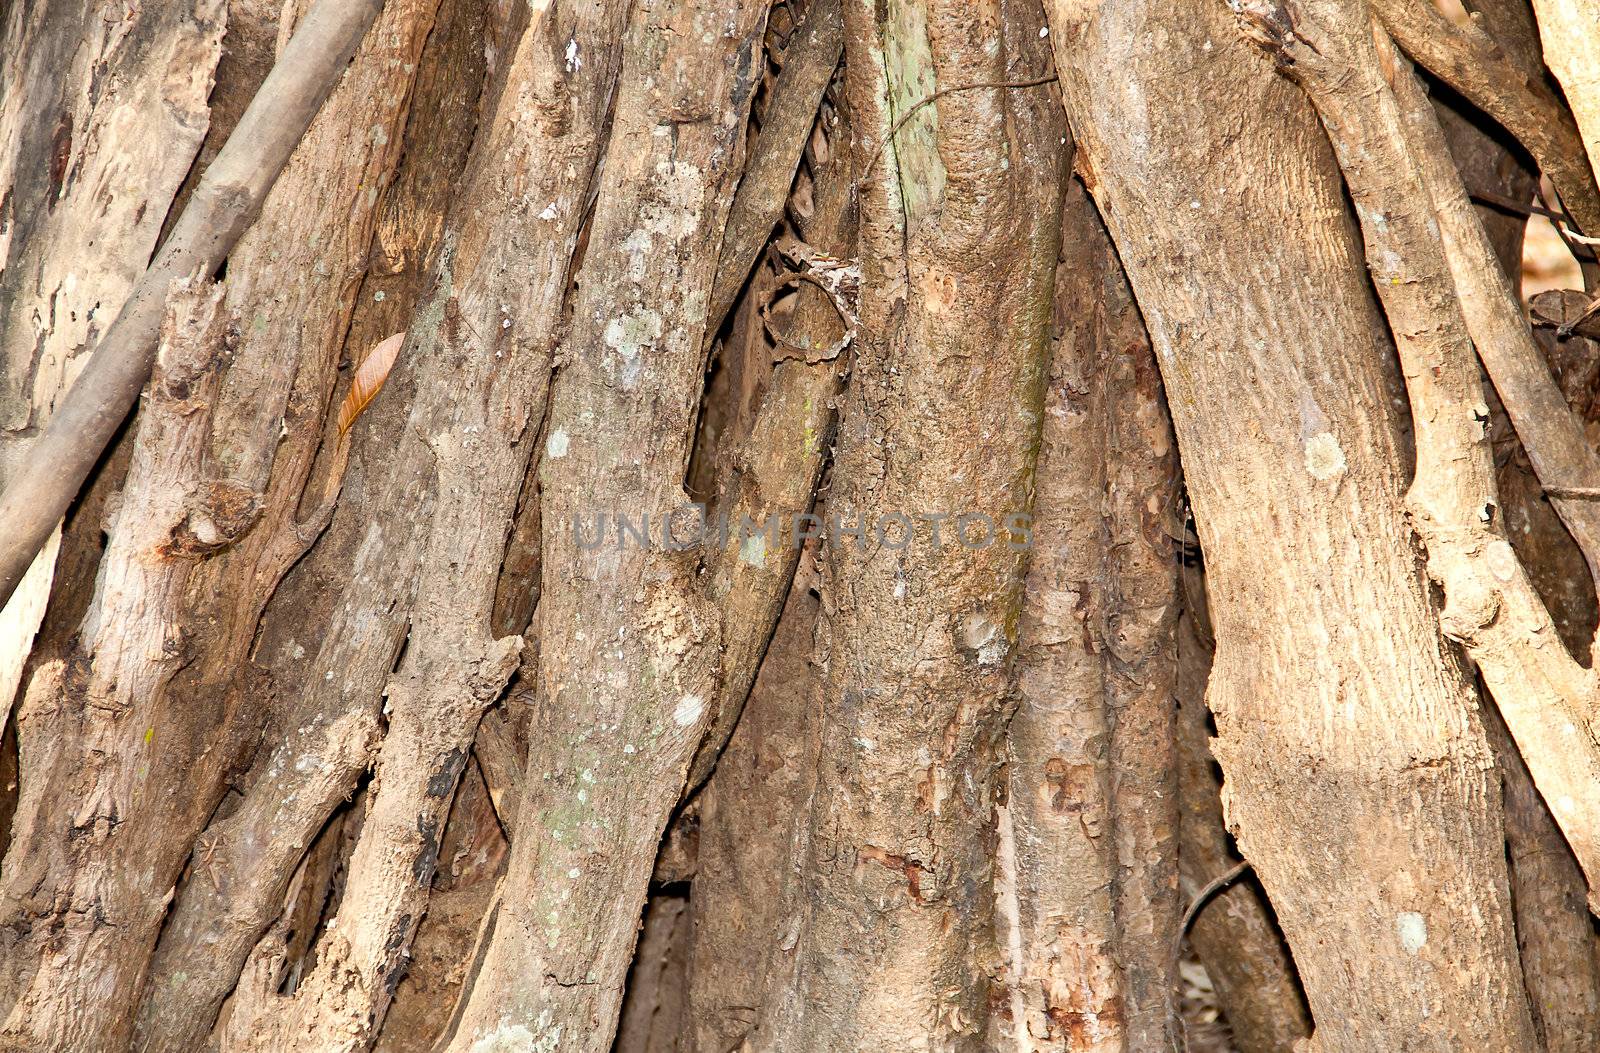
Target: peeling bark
1090 913
229 543
83 895
102 109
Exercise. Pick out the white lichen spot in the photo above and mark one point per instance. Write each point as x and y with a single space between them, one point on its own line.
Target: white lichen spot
688 710
1501 559
754 550
507 1038
627 334
1324 458
556 446
1412 929
983 636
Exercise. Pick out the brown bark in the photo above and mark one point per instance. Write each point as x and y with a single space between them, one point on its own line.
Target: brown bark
194 701
1546 699
472 853
753 814
1472 62
1572 50
75 952
768 458
440 514
629 640
959 227
948 818
1235 935
1057 859
86 99
1141 610
1358 775
224 204
1089 915
653 1013
1554 933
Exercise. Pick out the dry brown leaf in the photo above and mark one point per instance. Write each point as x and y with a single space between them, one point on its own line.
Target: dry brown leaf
368 381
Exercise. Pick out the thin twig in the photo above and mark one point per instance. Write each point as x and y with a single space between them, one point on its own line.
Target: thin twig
1196 905
224 205
1566 329
920 103
1506 204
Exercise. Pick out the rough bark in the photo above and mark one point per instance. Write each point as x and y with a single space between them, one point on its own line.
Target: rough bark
251 853
199 703
1057 861
769 457
95 138
1472 62
809 60
1554 933
472 853
75 954
1141 610
225 203
959 227
440 515
1359 779
753 814
629 640
1445 294
1087 890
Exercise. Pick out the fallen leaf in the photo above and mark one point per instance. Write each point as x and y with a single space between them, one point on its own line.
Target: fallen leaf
369 378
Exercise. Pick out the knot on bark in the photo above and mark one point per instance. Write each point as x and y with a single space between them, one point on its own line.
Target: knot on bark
220 513
1271 27
1470 607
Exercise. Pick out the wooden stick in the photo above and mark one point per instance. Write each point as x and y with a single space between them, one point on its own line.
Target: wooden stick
223 206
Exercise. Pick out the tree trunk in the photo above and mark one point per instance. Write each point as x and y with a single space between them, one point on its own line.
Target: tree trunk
661 533
1359 780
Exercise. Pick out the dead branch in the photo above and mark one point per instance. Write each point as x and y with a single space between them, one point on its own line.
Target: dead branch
224 205
1474 65
808 64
